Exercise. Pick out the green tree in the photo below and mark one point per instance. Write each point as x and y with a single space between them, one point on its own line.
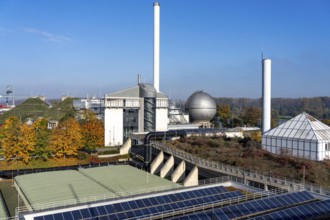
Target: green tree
42 138
66 138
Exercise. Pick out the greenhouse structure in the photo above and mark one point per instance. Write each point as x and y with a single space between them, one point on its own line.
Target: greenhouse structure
303 136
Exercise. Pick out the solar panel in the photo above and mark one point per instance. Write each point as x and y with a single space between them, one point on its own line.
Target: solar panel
67 216
150 206
58 216
265 204
102 210
310 210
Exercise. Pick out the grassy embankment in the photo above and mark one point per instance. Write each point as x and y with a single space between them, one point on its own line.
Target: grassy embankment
247 154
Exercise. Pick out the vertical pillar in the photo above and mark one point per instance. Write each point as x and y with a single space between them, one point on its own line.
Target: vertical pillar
266 94
156 44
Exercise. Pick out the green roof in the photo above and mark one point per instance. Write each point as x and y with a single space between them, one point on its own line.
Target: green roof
57 186
3 210
87 185
126 180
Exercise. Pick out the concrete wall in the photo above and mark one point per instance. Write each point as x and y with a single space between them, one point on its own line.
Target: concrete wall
192 178
168 167
125 149
179 173
157 163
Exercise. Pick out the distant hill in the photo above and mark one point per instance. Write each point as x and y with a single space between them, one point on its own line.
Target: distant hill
35 107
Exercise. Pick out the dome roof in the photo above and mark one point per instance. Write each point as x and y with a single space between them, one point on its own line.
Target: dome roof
201 107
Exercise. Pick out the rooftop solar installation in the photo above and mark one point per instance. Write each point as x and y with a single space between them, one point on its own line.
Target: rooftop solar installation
253 207
150 207
305 211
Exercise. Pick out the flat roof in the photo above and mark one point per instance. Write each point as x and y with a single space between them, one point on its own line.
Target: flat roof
58 188
3 210
126 180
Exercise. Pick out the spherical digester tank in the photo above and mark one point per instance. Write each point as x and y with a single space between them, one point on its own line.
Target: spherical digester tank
201 107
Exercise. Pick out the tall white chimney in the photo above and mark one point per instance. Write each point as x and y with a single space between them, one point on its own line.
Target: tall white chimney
266 94
156 44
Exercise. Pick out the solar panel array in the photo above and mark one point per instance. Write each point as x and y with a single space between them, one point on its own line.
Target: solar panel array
315 209
147 207
251 208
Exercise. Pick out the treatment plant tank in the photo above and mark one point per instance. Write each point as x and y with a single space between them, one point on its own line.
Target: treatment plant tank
201 107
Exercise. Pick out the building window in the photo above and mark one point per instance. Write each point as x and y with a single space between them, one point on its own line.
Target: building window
327 147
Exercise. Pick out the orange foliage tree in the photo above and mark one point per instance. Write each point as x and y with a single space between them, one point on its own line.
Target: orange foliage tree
92 131
66 138
17 141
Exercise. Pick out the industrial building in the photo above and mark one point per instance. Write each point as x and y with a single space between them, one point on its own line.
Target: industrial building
144 108
302 136
137 109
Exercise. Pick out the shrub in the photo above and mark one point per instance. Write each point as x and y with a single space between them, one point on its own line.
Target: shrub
82 155
112 151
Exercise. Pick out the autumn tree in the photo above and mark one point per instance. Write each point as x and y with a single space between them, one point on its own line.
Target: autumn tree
42 138
224 113
66 138
326 121
251 116
256 136
17 140
92 131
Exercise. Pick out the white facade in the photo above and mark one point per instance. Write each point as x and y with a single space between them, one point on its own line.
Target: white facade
130 99
113 126
266 94
161 114
302 136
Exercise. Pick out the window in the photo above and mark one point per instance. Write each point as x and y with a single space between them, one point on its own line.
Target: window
327 147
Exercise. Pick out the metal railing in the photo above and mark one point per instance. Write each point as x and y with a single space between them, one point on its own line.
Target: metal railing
92 199
247 175
203 206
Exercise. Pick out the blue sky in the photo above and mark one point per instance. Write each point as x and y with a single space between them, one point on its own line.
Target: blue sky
74 47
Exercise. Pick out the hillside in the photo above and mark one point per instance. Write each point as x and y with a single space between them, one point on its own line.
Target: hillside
249 155
60 110
30 108
34 108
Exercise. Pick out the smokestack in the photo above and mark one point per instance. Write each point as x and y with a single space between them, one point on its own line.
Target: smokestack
266 94
156 44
